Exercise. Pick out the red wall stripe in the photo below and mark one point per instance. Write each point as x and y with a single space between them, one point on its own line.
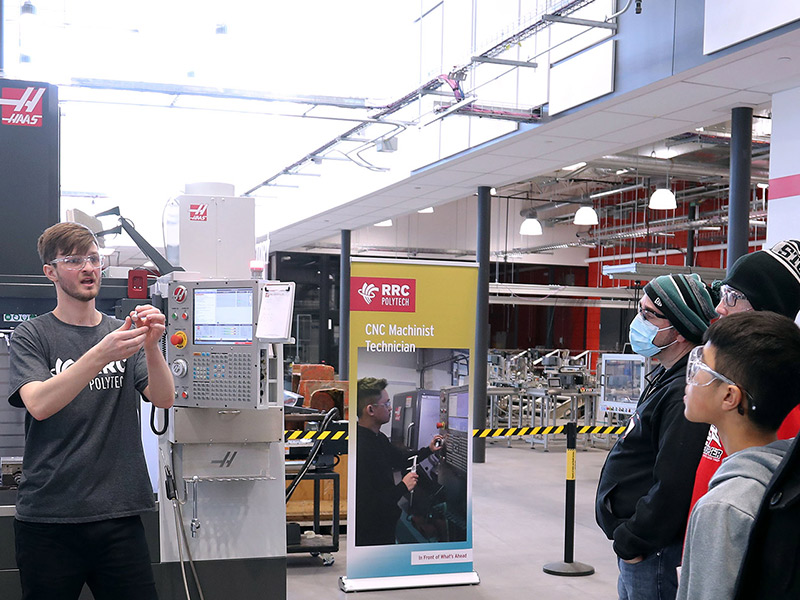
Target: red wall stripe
784 187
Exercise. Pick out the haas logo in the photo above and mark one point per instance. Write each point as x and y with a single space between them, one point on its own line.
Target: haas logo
22 107
198 212
368 292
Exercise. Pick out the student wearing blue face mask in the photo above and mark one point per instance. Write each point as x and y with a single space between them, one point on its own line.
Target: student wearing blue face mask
646 484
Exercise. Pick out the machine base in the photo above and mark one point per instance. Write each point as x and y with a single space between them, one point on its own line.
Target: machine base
242 579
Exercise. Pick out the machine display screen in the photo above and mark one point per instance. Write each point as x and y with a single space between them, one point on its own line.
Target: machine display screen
458 412
223 316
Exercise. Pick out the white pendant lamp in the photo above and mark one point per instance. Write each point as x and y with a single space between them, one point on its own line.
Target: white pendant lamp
586 215
663 199
531 226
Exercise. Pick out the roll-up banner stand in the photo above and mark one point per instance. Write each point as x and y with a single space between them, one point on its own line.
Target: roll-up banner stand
412 323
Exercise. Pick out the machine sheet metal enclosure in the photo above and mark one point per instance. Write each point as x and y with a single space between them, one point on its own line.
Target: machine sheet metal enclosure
225 440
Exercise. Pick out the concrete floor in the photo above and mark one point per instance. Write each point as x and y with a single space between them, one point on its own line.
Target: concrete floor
518 527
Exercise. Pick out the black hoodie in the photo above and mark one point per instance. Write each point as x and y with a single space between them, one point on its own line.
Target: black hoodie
646 484
771 567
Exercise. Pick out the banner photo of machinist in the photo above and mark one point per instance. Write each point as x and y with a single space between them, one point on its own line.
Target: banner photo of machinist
409 497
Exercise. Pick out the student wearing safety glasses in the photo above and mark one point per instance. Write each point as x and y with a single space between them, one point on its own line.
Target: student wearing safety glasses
767 280
78 373
737 382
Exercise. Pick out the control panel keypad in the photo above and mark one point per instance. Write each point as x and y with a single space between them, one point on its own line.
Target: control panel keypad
222 376
456 442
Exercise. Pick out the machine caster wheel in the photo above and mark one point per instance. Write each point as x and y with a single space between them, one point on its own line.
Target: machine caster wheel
314 554
328 559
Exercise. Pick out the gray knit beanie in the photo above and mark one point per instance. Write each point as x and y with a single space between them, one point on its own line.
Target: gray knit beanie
686 301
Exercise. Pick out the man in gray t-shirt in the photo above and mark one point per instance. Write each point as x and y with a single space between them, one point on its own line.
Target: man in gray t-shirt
84 482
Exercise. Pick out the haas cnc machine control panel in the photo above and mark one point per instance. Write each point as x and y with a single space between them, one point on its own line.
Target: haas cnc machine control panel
216 359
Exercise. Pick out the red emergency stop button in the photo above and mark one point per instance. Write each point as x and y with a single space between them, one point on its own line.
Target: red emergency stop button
439 425
184 395
178 339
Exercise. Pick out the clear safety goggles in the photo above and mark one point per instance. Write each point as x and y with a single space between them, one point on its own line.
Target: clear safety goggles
696 365
76 263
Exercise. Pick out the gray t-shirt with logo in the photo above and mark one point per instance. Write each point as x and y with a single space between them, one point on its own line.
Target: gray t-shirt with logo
86 462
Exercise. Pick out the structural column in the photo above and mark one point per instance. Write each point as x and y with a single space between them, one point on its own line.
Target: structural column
690 236
325 329
344 307
783 210
480 359
739 201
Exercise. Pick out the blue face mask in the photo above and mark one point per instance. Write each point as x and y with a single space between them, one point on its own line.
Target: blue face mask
641 335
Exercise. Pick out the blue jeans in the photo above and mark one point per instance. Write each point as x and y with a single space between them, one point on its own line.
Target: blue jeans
111 557
655 578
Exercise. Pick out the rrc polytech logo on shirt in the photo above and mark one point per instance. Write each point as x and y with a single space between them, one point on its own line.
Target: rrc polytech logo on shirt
383 294
21 106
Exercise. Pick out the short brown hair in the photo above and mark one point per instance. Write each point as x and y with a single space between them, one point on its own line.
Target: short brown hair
64 238
368 390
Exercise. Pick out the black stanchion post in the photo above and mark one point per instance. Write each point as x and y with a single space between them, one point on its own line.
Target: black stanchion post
568 568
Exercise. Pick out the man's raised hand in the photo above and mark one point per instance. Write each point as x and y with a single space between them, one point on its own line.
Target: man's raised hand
124 342
153 319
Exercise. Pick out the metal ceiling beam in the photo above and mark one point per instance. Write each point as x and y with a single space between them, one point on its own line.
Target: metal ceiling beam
562 302
666 166
583 22
213 92
561 291
504 61
642 271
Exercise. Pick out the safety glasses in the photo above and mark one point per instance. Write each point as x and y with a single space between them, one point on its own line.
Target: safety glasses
649 315
696 365
76 263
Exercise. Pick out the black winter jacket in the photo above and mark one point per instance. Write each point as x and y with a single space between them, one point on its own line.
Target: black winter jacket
771 566
646 484
377 494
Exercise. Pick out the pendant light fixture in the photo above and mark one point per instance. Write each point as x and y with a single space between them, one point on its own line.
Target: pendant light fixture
663 199
531 225
586 215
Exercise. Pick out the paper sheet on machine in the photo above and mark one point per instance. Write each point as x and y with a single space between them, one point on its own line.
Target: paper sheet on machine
275 314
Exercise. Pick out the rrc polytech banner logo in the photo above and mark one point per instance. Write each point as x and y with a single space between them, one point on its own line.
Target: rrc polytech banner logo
21 106
383 294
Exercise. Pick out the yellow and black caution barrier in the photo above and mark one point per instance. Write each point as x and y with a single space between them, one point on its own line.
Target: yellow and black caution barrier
553 429
479 433
297 434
